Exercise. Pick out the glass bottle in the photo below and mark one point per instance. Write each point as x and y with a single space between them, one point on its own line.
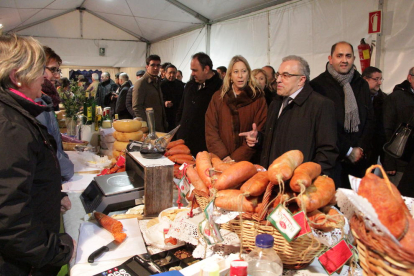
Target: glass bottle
98 118
164 140
85 108
150 149
263 260
106 122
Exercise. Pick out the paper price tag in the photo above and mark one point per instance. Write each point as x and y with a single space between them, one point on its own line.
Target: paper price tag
283 220
301 219
184 186
209 229
336 257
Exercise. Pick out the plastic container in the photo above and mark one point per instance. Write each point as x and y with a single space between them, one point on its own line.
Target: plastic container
263 260
238 268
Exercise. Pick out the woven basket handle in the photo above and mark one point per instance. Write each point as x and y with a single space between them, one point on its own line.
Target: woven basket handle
387 180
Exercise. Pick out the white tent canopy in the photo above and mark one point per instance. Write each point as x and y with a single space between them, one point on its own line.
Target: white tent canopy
263 31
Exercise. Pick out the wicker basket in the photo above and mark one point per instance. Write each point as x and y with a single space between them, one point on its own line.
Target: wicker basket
202 201
295 255
379 255
71 146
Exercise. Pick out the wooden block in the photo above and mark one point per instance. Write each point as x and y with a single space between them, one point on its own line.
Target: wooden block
158 181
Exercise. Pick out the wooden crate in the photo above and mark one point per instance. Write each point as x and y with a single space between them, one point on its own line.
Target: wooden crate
158 178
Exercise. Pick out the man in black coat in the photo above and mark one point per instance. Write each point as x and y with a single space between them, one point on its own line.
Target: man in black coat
298 119
354 114
106 87
120 107
373 76
398 108
172 91
196 98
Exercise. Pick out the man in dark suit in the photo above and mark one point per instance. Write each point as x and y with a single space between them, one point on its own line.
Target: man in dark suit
121 108
196 98
354 114
373 76
298 119
147 93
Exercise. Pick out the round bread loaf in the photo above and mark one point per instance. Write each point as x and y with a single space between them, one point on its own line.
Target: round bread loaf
120 146
127 125
127 136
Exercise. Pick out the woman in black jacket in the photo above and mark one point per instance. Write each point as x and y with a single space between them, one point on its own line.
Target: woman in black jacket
30 243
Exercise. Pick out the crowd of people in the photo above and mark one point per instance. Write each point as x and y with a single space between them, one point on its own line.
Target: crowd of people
341 120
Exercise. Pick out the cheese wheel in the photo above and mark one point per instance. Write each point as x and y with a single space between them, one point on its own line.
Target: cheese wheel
125 136
144 129
116 154
127 125
120 146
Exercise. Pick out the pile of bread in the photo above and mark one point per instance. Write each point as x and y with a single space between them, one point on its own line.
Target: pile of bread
126 130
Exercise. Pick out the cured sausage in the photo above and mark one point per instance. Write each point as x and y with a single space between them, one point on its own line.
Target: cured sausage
234 176
179 149
195 180
317 195
175 143
203 165
304 174
232 199
256 185
282 168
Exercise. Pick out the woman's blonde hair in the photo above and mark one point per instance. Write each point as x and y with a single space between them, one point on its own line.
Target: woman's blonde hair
257 71
227 84
23 54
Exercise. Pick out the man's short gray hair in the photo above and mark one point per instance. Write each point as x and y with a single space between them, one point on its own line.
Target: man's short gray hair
95 76
106 74
303 64
124 76
411 71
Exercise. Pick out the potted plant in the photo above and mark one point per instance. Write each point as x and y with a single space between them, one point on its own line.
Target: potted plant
72 100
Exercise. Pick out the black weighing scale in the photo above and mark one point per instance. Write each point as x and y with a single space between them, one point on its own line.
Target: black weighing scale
113 192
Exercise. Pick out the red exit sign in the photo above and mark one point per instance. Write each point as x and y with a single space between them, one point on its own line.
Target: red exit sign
374 22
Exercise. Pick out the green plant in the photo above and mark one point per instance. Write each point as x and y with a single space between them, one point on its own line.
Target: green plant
72 99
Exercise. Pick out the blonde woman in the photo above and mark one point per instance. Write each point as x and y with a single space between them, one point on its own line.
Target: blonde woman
233 109
30 243
262 81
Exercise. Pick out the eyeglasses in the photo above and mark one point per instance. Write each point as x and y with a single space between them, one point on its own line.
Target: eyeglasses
377 79
155 65
54 70
286 75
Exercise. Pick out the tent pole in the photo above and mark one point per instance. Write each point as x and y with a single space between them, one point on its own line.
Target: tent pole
379 36
81 22
208 39
148 51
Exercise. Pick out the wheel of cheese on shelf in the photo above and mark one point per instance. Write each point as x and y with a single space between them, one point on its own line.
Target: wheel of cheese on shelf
116 154
120 146
126 136
127 125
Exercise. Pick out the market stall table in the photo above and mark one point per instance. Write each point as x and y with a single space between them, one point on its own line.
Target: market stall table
73 218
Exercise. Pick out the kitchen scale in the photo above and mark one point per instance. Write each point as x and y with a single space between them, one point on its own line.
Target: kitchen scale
113 192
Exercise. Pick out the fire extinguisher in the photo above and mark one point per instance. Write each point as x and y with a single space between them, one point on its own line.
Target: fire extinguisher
364 51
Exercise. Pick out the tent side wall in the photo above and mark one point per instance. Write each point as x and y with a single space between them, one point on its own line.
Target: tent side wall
178 50
307 28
